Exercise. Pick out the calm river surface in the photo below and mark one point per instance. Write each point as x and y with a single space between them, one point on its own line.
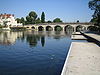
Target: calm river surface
33 52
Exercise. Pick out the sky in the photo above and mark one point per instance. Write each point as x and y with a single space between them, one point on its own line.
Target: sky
67 10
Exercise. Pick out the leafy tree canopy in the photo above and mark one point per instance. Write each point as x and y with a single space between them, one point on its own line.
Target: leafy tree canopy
78 21
95 5
18 20
22 21
38 20
33 15
31 18
57 20
49 21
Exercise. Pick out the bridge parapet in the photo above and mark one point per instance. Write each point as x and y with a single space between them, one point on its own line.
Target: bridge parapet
70 23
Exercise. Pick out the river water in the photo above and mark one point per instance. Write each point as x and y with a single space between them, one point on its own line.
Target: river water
33 52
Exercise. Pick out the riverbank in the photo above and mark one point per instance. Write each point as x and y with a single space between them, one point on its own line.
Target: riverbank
83 59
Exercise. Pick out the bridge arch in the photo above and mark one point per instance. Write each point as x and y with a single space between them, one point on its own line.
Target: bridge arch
92 28
40 28
49 28
58 28
33 27
68 27
27 27
80 28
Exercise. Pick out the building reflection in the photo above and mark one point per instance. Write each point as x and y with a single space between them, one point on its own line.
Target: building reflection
8 37
31 37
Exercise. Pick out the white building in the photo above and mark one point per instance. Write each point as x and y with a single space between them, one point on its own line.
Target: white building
8 20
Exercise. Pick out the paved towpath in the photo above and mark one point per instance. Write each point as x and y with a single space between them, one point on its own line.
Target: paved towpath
84 59
95 36
78 36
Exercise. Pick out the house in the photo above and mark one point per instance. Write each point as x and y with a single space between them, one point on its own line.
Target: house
8 20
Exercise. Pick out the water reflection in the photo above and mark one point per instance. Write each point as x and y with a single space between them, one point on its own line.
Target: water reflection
42 41
32 37
33 52
8 37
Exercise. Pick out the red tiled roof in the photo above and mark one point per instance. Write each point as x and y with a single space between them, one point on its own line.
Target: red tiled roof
6 15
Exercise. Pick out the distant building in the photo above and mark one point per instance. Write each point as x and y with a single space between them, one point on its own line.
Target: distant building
8 20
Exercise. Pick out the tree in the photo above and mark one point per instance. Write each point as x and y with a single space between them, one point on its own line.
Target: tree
57 20
1 26
38 20
31 18
18 20
94 20
49 21
43 17
22 20
33 15
78 21
28 20
5 23
95 5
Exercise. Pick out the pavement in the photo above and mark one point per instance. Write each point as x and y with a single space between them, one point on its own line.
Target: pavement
78 36
83 58
76 33
95 36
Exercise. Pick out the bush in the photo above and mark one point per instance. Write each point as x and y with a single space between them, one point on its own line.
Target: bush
18 28
93 28
58 29
1 26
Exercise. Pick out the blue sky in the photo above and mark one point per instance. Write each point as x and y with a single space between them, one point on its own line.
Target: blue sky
67 10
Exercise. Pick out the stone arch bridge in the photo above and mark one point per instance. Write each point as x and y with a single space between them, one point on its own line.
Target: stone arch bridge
64 26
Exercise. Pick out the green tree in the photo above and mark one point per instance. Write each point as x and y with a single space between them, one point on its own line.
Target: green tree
31 18
18 20
1 26
22 21
94 20
5 23
43 17
95 5
38 20
49 21
33 15
57 20
28 20
78 21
